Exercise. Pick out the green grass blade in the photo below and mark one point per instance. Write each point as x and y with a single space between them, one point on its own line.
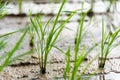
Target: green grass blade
79 35
81 57
2 44
87 66
58 49
10 54
78 63
3 56
20 56
7 34
67 68
103 38
57 34
54 25
35 27
111 42
56 20
114 36
39 22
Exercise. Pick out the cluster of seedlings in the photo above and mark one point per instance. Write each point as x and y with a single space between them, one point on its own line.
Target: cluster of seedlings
47 35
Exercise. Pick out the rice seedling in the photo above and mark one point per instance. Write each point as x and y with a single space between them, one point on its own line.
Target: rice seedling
20 6
47 36
76 49
3 42
107 44
10 33
78 58
8 56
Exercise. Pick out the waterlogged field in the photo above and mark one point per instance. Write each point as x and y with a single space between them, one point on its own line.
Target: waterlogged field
80 40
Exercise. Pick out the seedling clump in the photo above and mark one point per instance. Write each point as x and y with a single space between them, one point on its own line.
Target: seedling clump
78 58
107 44
46 36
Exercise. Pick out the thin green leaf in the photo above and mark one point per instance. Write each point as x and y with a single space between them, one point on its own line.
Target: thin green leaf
67 68
20 56
10 54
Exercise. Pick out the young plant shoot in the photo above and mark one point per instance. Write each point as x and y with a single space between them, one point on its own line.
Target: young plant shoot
107 44
8 56
47 36
78 58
